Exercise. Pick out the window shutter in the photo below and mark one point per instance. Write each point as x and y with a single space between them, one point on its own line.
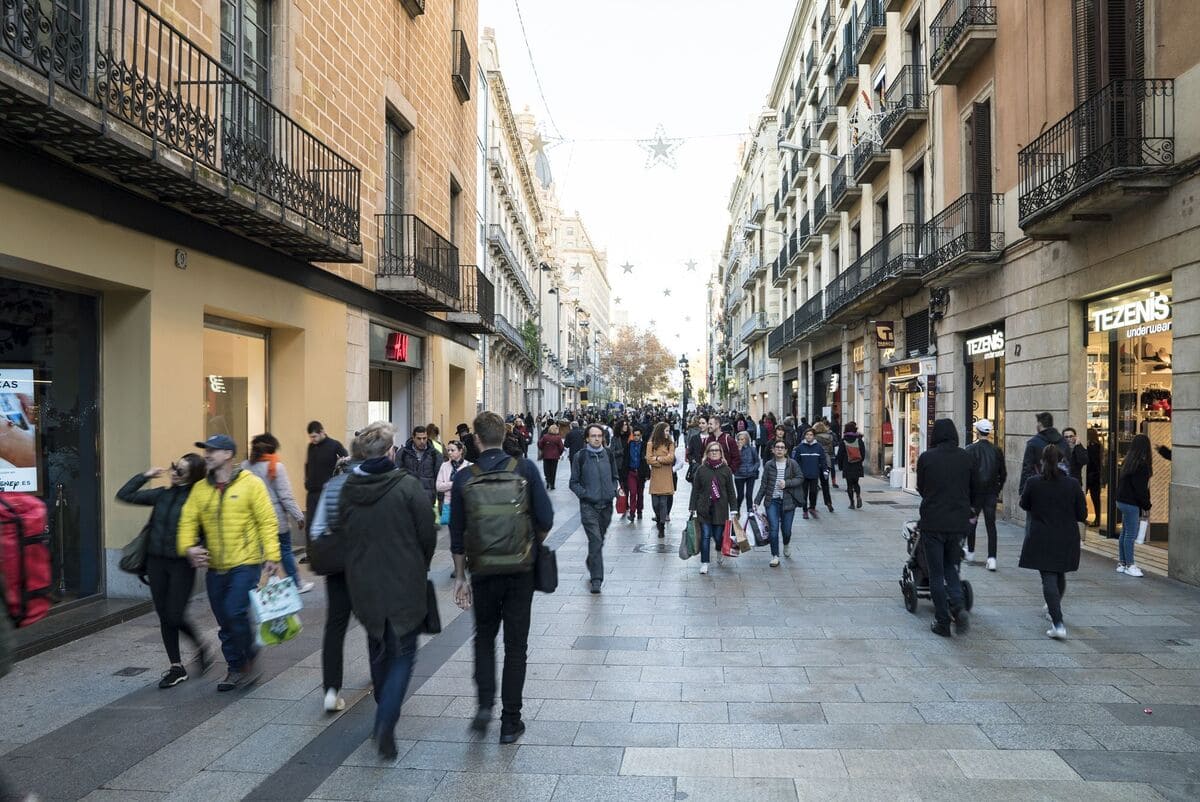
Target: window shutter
981 122
916 334
1116 56
1137 35
1084 32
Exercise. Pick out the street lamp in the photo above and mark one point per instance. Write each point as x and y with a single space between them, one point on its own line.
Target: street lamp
683 369
557 339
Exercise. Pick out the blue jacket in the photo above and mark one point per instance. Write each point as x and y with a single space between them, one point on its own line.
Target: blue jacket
327 504
493 460
751 462
811 459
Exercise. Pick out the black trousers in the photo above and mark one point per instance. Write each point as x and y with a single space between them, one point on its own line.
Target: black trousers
988 511
810 492
337 621
825 490
1094 492
852 486
745 492
507 599
171 583
1054 587
943 552
550 469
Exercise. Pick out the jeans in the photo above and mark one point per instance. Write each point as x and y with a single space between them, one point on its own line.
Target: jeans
714 531
745 491
171 582
392 659
1054 587
1131 517
286 559
229 596
595 519
661 505
809 491
988 511
507 599
635 490
779 521
943 551
550 469
333 640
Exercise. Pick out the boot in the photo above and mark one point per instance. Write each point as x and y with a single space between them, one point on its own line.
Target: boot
860 498
850 495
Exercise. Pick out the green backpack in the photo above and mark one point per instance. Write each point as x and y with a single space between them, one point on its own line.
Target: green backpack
499 530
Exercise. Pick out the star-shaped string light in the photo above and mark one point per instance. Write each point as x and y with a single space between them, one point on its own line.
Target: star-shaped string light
660 149
667 292
577 269
628 268
691 265
651 322
687 318
617 300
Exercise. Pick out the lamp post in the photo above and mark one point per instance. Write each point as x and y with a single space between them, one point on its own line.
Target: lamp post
557 340
683 369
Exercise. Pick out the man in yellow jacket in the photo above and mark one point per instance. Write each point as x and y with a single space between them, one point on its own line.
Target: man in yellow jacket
241 539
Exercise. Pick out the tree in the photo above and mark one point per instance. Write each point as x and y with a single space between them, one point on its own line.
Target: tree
636 364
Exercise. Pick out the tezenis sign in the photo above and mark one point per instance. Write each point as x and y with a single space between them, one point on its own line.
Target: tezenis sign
1135 313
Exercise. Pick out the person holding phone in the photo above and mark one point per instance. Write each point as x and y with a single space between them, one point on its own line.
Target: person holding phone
18 440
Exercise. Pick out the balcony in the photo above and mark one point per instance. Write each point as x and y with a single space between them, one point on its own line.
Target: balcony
824 217
416 264
808 317
883 275
781 205
750 270
847 78
756 326
733 297
827 114
872 30
804 239
827 24
506 258
785 181
1112 152
906 106
780 337
742 357
513 337
964 240
798 94
460 69
143 106
810 65
845 194
809 153
959 36
894 5
415 8
478 314
793 174
867 160
758 212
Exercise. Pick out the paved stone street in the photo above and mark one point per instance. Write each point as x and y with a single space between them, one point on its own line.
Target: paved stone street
806 681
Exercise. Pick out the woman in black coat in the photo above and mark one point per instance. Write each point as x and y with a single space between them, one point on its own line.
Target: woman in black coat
713 499
1056 507
171 577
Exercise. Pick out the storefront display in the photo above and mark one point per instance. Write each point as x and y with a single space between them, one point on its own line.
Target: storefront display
235 381
1129 385
827 387
857 392
395 355
791 384
911 398
983 355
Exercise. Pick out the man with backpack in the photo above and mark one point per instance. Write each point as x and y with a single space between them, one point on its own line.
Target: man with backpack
990 476
499 511
595 481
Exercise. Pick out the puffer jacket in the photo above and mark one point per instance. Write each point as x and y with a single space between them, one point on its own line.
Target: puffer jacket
424 465
164 518
280 491
750 462
239 523
793 480
327 505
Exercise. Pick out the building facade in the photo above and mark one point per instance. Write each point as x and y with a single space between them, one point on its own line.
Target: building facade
588 295
992 209
214 223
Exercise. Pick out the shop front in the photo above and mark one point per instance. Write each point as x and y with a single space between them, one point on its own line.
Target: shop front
396 357
856 396
827 387
791 391
1129 385
983 356
910 395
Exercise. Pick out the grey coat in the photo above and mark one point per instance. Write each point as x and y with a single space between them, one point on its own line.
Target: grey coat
280 492
793 481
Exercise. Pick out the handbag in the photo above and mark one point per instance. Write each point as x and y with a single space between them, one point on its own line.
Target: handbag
759 529
1143 530
545 569
133 556
691 473
444 520
622 504
690 543
432 624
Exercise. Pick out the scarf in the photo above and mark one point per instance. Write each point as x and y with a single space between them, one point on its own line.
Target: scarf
454 466
377 465
594 450
714 490
272 461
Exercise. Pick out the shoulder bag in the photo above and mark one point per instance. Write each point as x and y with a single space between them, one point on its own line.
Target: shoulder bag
545 569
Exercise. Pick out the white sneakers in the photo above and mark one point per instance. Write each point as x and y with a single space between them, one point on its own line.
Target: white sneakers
787 550
305 587
969 556
991 563
1120 568
1133 570
333 702
1057 632
774 562
703 568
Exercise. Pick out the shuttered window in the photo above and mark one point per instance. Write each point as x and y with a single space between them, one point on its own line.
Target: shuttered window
916 334
1110 43
981 136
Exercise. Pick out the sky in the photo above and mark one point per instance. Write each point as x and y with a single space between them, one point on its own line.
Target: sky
612 72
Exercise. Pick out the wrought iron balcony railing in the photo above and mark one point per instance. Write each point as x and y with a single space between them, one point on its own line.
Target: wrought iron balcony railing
512 334
837 182
827 111
510 263
755 326
970 228
867 160
460 72
827 21
820 208
952 26
1128 127
894 254
416 264
808 316
810 62
798 93
478 314
780 337
803 234
161 114
872 27
847 78
904 99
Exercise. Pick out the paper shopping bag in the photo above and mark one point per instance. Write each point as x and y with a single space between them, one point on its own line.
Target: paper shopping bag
728 548
739 537
690 543
759 532
622 504
279 598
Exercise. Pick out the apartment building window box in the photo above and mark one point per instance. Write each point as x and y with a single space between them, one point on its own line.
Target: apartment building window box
872 30
460 70
478 314
416 265
963 241
415 8
827 110
867 160
135 106
825 219
906 106
845 193
888 272
847 79
1114 151
959 36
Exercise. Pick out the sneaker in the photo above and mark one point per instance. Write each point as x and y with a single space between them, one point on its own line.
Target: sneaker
333 702
595 586
305 587
1133 570
969 556
991 563
509 735
483 717
1120 568
173 676
703 568
942 629
1058 632
774 562
787 550
231 681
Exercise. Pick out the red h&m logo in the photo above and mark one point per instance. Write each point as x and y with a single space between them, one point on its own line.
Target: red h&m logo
397 347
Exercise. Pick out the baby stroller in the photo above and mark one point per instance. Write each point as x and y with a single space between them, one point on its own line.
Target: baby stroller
914 579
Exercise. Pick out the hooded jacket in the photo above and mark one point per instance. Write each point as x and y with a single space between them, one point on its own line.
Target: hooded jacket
386 525
423 465
239 523
946 482
1033 452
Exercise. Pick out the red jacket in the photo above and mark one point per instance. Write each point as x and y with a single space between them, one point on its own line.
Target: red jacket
551 446
728 445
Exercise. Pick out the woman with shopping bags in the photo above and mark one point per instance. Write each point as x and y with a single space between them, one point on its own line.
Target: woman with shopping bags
661 458
780 494
712 501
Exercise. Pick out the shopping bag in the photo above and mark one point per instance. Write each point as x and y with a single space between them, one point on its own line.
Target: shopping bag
689 544
1143 530
759 532
622 504
728 549
545 569
278 598
281 630
739 536
432 625
445 519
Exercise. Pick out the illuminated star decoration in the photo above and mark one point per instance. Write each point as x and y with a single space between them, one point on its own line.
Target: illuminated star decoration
660 149
617 300
667 293
691 265
577 269
687 318
628 268
651 322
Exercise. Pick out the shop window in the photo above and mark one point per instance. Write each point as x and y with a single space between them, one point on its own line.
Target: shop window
379 405
235 381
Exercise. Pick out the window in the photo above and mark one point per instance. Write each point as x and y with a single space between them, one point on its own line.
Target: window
881 218
913 44
916 333
855 241
916 194
246 42
397 141
455 204
977 149
235 381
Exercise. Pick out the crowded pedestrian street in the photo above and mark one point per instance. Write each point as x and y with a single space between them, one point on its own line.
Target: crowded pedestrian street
806 681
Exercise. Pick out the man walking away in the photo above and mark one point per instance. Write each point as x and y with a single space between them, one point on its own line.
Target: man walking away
987 463
498 511
241 540
423 461
594 480
946 484
322 459
1046 435
386 522
574 441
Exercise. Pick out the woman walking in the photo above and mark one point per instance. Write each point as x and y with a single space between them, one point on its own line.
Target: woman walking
850 459
456 460
264 463
1055 505
747 472
1133 500
661 458
550 448
712 500
781 481
171 577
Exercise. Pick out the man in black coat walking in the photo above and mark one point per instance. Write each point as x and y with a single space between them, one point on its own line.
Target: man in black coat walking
574 441
947 485
324 453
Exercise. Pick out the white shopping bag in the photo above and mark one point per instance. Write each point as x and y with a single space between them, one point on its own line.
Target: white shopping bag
1143 528
279 598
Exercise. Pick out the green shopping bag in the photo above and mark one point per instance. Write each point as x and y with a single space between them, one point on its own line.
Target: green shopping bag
689 545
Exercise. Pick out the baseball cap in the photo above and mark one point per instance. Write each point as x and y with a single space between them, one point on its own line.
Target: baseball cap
983 425
219 442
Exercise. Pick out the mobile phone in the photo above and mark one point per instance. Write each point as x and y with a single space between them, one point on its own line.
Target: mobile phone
10 408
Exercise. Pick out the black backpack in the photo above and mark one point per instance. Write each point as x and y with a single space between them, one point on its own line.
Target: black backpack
499 531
